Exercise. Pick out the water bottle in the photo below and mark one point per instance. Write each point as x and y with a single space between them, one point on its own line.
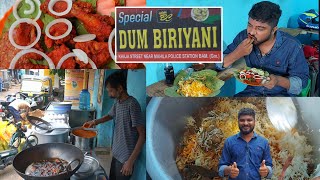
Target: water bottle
84 99
169 73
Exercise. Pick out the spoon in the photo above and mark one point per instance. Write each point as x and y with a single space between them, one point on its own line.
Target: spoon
282 113
50 129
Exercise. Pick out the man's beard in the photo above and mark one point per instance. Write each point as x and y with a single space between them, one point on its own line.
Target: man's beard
257 43
245 132
115 96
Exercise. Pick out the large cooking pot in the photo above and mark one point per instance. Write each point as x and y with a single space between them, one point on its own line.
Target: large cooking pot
54 136
165 126
85 140
67 152
166 122
40 129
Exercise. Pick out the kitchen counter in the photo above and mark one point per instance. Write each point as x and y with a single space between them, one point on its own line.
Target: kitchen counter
157 89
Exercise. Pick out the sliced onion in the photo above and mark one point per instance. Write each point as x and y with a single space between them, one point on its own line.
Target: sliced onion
61 20
31 10
65 57
112 34
264 81
53 2
93 65
242 76
81 55
24 20
84 38
32 50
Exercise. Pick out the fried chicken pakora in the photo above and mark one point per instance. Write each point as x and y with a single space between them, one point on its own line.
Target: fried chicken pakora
58 53
57 30
98 52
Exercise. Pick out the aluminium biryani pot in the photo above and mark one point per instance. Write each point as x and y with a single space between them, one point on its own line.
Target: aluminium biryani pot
165 127
55 136
86 141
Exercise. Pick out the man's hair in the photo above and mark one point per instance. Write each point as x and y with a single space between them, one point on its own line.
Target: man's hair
266 12
117 79
247 111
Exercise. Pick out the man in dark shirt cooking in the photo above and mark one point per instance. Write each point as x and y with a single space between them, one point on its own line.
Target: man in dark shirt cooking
129 131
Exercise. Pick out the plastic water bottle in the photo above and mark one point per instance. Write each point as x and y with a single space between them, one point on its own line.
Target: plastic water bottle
169 73
84 99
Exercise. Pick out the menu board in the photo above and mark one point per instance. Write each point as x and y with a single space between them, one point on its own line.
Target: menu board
168 35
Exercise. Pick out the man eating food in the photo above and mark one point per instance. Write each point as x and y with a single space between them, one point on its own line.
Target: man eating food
264 47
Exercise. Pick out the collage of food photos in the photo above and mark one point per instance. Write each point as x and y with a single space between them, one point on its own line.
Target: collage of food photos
159 90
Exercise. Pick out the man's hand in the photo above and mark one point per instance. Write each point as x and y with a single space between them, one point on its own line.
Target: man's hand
272 81
127 168
89 124
245 47
234 170
24 115
263 170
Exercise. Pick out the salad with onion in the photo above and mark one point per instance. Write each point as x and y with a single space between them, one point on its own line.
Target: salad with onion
252 76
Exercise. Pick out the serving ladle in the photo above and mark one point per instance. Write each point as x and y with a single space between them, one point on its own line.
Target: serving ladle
50 129
282 113
46 126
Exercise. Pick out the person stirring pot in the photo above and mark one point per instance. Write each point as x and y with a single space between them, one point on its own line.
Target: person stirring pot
129 130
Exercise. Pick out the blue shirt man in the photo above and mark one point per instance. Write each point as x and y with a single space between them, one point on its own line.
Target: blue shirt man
246 155
263 46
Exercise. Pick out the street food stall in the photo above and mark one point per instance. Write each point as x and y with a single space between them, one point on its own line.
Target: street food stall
65 121
57 115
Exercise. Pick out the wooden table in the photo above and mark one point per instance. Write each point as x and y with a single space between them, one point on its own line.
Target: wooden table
157 89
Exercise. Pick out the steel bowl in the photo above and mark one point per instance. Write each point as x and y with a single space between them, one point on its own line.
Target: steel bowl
87 168
85 144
